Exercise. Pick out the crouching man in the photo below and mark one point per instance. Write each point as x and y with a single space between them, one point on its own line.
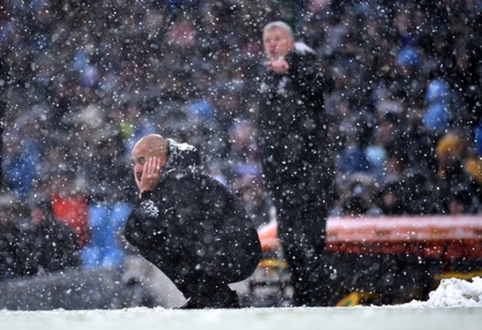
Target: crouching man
189 225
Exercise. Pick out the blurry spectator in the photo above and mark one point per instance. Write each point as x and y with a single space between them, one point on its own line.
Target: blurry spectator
407 84
355 207
478 138
438 115
473 166
17 253
451 173
249 187
245 170
408 58
22 157
389 131
419 143
107 188
462 202
70 205
356 197
405 189
104 248
466 78
134 122
55 243
353 158
418 195
396 163
407 21
242 138
390 198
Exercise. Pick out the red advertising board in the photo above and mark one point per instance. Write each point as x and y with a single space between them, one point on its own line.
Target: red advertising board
437 236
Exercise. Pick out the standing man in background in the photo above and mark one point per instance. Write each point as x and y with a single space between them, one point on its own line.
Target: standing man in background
297 162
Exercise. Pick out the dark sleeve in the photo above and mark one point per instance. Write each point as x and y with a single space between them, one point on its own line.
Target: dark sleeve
149 223
235 225
310 80
133 231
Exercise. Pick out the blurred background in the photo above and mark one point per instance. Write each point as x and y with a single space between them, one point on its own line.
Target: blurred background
81 81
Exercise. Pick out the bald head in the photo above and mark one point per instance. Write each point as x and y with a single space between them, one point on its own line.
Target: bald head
150 146
154 144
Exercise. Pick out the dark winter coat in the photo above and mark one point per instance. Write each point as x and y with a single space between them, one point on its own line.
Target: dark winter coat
55 245
298 167
292 124
191 227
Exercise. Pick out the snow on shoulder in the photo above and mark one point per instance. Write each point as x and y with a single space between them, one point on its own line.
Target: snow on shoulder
181 146
453 292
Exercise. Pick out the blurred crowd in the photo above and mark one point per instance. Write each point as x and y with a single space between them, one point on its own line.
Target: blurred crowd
82 80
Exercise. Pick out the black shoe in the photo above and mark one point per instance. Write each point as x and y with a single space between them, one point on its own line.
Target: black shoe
220 300
192 304
228 300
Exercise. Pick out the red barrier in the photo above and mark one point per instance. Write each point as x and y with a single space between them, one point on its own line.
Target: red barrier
435 236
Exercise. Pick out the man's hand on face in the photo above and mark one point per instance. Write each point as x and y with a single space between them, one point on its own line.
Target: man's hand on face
151 174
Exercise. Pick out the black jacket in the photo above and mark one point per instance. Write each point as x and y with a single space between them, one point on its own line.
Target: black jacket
293 124
192 227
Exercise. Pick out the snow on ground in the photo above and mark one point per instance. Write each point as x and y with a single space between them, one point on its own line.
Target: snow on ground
455 304
453 292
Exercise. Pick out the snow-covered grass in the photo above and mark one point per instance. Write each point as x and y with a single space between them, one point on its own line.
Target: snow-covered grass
456 304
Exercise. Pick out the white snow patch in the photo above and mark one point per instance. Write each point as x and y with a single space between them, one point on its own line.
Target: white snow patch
179 146
453 292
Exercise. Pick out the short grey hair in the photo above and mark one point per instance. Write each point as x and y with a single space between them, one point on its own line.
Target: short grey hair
278 25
